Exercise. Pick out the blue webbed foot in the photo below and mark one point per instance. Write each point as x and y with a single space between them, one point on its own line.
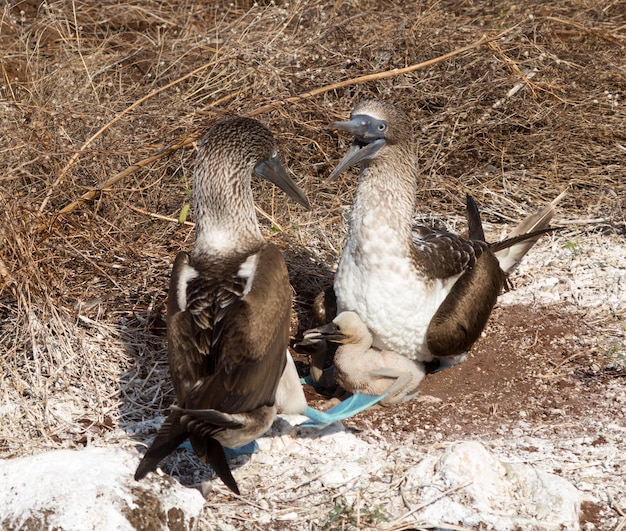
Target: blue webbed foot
346 409
246 449
323 379
250 448
186 445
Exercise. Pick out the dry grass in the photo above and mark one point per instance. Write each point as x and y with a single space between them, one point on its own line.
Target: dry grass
88 91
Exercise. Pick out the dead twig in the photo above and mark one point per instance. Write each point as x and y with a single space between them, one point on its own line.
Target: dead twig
378 75
607 35
5 276
262 212
394 524
553 374
161 216
191 138
512 66
106 126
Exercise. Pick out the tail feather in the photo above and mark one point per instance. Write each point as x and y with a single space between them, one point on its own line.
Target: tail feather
170 436
214 455
216 419
539 220
511 250
475 224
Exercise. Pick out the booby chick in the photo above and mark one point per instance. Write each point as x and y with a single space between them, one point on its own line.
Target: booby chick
423 294
359 368
229 308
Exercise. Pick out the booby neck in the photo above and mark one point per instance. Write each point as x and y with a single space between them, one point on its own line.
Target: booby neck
386 197
384 146
226 221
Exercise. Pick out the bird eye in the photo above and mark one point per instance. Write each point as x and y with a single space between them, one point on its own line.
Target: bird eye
382 127
274 153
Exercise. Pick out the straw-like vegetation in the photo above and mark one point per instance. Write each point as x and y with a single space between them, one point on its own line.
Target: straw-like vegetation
103 101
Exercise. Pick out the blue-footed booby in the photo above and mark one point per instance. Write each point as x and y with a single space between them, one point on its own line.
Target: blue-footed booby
424 294
229 307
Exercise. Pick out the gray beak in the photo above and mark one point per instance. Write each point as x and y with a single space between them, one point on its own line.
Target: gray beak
273 171
328 332
367 142
356 154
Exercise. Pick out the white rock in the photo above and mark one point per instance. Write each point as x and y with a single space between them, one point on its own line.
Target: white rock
471 462
552 498
89 489
485 491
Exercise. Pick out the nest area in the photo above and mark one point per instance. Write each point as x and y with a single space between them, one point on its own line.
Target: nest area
101 106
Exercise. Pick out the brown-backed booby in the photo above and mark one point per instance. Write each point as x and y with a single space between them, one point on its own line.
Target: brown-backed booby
229 307
422 293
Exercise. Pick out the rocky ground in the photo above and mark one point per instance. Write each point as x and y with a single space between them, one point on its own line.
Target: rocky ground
101 105
529 433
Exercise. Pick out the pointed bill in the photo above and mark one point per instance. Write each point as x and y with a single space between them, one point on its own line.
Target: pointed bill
328 332
357 153
273 171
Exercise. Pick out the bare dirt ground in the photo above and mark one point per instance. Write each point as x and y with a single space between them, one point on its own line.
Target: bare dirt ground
515 385
544 385
100 106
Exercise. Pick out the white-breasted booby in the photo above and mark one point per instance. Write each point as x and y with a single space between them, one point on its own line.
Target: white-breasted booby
424 294
229 307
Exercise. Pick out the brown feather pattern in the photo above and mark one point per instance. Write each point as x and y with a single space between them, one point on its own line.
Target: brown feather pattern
229 305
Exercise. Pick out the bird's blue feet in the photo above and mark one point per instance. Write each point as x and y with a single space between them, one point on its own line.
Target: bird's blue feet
346 409
186 445
246 449
250 448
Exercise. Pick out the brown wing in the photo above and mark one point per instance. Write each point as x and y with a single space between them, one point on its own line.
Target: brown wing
441 254
226 348
463 314
206 292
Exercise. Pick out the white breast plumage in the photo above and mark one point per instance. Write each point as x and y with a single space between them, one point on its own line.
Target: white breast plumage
389 296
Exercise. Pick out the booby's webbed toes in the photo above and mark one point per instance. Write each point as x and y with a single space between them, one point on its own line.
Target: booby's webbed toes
346 409
320 379
246 449
186 445
308 380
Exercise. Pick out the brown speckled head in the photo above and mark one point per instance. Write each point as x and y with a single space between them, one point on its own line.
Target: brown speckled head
228 155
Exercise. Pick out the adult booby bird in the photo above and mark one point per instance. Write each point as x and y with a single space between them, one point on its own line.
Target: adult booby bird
424 294
229 307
